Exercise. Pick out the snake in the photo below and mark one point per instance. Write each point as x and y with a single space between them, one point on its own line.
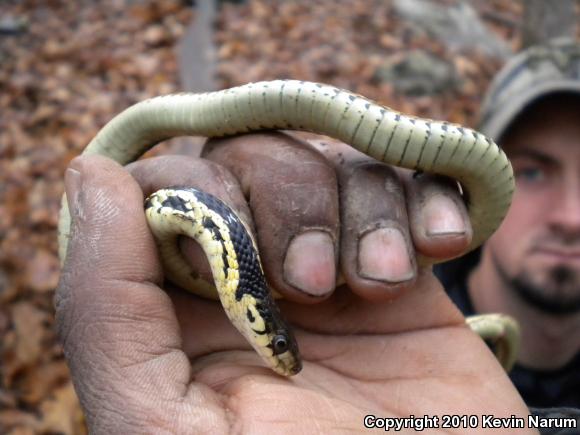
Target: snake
501 332
473 160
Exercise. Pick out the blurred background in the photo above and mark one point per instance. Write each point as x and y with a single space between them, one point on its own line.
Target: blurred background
66 67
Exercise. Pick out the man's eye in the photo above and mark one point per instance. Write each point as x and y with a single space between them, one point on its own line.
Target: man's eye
530 174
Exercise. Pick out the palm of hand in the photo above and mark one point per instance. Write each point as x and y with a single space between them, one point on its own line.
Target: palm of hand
360 358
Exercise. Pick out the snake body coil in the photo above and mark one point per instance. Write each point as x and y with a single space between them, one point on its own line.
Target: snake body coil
235 265
436 147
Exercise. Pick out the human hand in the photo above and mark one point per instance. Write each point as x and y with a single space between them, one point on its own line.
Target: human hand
379 345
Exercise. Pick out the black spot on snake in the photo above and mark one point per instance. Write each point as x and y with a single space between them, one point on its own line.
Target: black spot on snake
259 332
177 203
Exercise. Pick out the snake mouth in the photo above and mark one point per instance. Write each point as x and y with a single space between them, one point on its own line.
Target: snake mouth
288 364
296 368
291 360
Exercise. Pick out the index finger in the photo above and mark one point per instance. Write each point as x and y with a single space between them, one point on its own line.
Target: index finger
293 193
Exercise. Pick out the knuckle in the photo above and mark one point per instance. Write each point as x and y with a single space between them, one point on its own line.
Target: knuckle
371 168
374 193
432 184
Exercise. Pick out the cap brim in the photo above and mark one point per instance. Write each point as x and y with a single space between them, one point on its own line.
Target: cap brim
495 126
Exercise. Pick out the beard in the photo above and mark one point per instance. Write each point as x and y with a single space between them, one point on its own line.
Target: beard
556 293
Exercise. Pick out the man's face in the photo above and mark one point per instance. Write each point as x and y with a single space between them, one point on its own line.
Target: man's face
536 251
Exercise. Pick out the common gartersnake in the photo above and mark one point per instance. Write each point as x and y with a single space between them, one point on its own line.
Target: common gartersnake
476 162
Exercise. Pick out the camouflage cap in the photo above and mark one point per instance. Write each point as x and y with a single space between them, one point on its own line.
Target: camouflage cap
531 74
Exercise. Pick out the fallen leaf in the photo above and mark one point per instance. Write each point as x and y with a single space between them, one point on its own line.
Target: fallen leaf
41 381
17 421
62 413
42 272
28 325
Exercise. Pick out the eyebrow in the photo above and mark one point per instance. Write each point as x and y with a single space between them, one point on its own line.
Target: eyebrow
535 155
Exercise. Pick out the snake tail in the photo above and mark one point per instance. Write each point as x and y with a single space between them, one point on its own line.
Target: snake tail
501 332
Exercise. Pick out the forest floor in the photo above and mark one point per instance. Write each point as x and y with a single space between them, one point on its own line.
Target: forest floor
67 67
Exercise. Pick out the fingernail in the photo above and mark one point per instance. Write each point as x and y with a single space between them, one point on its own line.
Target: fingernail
72 185
310 264
383 256
442 217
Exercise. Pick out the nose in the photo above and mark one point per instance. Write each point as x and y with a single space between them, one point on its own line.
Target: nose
565 214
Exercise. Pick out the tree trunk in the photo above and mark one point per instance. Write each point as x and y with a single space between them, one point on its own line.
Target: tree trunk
197 51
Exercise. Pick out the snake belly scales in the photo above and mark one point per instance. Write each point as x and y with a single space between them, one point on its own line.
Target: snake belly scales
465 155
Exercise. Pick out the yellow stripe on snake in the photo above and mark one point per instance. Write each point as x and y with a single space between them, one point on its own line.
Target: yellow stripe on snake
441 148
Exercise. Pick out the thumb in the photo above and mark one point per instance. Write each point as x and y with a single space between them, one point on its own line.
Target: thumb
118 328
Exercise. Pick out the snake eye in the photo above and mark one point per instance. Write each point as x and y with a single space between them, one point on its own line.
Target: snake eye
280 344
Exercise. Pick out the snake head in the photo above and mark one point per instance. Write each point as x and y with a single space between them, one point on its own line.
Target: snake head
271 336
285 350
